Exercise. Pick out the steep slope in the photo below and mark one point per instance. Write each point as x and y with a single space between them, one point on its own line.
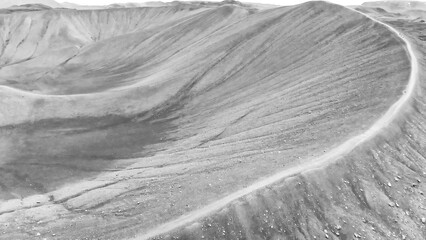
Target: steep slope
26 36
121 48
374 192
152 122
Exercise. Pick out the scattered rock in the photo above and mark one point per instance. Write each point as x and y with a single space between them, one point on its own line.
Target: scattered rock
356 235
338 227
423 220
391 204
389 184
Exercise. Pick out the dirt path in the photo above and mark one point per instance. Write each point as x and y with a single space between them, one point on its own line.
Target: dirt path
310 164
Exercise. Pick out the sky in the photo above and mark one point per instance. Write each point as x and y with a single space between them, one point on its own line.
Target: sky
276 2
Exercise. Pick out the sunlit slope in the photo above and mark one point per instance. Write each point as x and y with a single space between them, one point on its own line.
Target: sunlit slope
375 192
155 123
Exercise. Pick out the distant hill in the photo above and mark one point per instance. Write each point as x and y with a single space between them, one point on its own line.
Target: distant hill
36 6
11 3
397 5
53 4
30 6
414 10
175 3
133 5
24 8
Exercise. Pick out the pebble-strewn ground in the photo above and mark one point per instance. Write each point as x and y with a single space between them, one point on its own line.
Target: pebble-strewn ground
116 121
375 192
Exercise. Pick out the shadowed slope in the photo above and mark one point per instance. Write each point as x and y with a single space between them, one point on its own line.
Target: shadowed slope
101 46
28 35
240 99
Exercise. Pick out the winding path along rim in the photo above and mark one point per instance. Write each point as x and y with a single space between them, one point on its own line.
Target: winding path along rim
311 164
